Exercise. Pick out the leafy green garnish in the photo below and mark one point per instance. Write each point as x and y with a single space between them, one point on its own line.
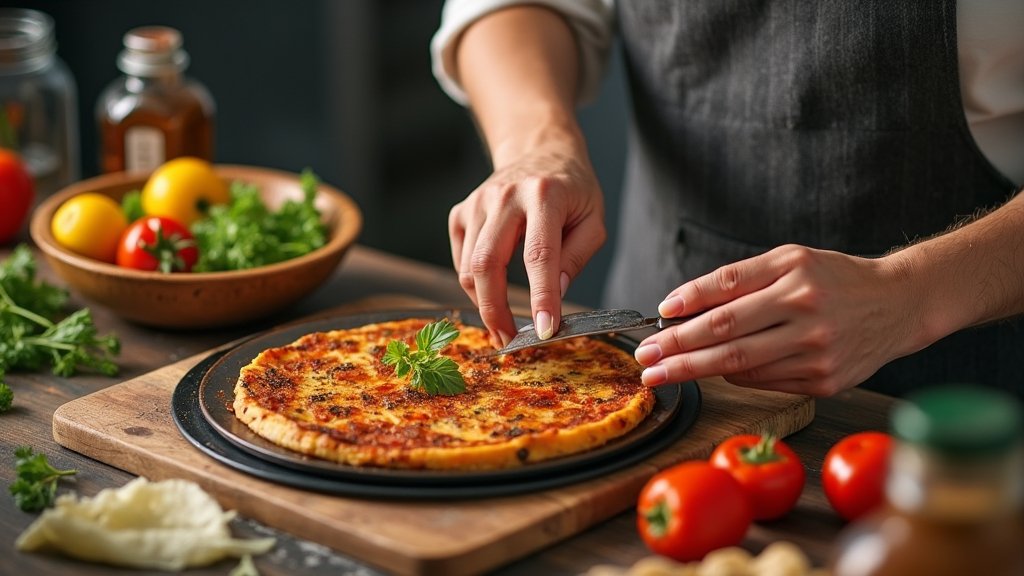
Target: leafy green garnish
31 336
6 395
18 278
245 233
131 206
35 486
431 372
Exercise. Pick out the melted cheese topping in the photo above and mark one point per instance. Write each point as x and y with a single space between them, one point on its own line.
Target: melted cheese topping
328 394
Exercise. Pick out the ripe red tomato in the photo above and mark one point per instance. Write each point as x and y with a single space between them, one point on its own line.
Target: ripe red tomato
157 243
853 474
690 509
770 472
17 190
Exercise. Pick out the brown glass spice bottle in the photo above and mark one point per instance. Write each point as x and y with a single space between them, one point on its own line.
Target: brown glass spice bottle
153 113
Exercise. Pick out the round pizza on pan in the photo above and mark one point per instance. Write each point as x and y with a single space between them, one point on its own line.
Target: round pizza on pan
330 395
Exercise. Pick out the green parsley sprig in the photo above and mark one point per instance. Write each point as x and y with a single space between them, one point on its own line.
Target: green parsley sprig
35 486
431 372
245 233
131 206
30 334
6 395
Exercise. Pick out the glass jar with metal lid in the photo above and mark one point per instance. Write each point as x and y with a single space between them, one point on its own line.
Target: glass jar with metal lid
38 107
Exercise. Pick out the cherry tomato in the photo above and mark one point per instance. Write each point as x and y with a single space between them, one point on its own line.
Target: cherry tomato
183 189
89 224
853 474
690 509
769 471
17 191
157 243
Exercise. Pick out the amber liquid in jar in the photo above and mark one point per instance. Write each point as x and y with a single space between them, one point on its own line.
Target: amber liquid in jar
954 494
899 542
153 113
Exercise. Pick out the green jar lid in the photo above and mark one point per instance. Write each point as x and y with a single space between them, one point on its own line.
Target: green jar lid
960 420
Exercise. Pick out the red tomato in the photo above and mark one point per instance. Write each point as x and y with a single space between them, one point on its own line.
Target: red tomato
853 474
157 243
769 471
690 509
17 191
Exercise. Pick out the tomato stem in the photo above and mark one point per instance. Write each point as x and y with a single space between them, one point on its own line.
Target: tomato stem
658 518
166 249
762 452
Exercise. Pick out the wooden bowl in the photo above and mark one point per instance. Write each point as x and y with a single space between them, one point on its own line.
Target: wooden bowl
208 299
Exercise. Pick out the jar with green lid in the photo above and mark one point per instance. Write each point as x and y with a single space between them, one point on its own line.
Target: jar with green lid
954 491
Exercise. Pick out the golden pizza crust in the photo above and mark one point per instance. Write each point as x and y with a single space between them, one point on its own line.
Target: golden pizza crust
329 395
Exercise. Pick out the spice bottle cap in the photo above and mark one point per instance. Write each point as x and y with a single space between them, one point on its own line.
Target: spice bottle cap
960 421
152 51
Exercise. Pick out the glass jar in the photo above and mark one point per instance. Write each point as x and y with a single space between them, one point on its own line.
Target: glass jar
954 491
38 108
153 113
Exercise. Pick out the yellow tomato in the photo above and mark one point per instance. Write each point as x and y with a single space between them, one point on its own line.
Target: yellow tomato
183 189
89 224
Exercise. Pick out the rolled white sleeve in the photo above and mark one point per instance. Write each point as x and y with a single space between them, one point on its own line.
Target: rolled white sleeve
590 20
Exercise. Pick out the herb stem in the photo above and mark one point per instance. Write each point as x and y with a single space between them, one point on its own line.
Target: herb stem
13 307
59 473
40 341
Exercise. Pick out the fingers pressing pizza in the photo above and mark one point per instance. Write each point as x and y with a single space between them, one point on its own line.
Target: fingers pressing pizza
542 254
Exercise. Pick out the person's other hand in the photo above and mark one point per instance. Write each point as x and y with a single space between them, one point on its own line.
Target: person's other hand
794 319
550 199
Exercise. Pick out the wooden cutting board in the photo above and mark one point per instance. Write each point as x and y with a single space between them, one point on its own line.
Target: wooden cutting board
129 425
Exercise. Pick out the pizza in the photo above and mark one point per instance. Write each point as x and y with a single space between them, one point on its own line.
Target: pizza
330 395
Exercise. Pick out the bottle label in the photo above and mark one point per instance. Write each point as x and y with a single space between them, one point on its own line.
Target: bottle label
144 148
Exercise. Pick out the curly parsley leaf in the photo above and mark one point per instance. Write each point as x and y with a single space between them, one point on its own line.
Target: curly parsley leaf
397 355
18 280
131 206
73 343
31 337
245 233
35 485
431 372
6 395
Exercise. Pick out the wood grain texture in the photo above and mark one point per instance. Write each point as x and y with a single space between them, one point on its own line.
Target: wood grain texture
129 425
370 273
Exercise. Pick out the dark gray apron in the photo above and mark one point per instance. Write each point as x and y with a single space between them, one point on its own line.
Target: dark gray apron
830 123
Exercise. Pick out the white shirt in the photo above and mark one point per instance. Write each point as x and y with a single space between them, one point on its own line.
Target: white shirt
990 41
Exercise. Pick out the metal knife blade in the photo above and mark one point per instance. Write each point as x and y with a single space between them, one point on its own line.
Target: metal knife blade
588 324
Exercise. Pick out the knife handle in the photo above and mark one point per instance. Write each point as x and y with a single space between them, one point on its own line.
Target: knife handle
663 323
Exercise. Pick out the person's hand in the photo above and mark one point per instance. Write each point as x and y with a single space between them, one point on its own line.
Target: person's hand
548 198
794 319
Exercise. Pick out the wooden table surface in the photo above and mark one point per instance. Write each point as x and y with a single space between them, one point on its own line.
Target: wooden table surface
365 273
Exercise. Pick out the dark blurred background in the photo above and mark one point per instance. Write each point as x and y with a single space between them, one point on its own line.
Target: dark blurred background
341 86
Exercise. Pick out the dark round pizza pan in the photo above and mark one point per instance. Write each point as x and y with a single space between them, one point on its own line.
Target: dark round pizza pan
200 408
